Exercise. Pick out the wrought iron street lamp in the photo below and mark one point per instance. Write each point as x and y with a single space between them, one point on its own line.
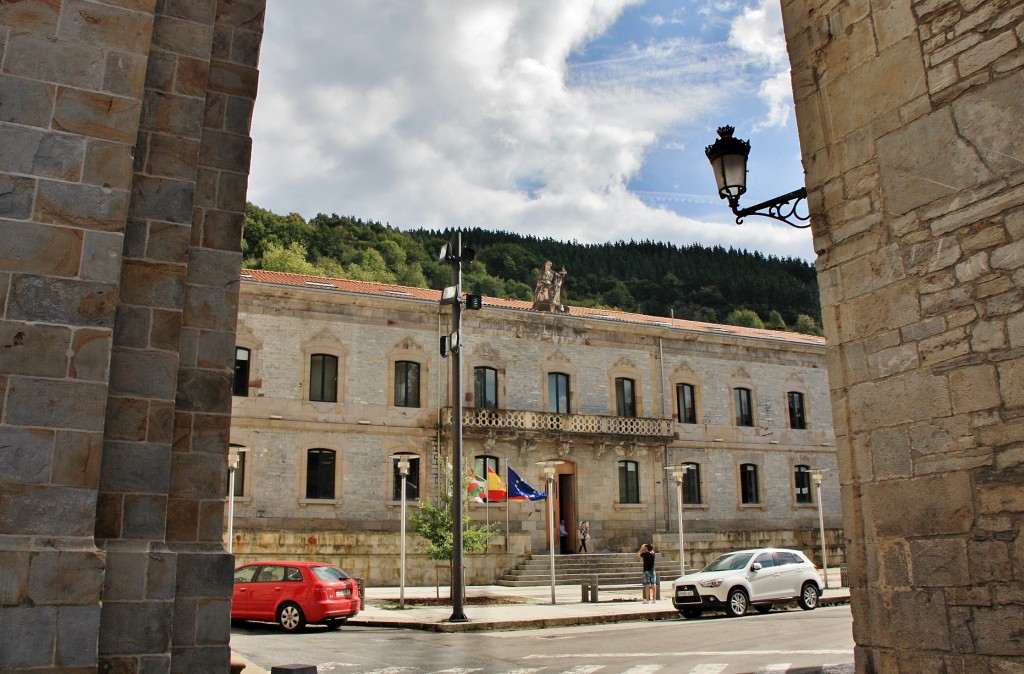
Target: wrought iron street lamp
550 468
816 476
403 470
728 157
679 474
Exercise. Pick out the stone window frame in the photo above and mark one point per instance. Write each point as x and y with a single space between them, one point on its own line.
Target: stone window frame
247 457
339 461
323 359
625 371
499 382
746 385
248 372
801 391
701 485
698 402
796 463
328 347
412 355
387 483
255 348
619 465
761 502
572 378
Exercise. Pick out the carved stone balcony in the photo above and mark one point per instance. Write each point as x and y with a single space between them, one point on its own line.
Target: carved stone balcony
520 422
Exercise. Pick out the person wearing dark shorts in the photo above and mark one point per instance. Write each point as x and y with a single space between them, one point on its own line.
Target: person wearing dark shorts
647 554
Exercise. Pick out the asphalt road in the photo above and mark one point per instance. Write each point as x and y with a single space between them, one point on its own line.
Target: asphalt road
793 642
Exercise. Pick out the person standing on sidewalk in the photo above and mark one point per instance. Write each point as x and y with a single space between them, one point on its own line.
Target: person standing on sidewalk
647 554
584 535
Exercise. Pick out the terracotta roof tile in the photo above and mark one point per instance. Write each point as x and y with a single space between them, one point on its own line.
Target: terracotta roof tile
426 294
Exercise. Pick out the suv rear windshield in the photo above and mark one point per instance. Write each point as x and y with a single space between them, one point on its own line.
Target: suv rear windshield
328 573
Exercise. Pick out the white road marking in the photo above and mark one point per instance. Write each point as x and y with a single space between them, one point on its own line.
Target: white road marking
710 668
643 669
458 670
768 669
837 669
691 654
333 666
583 669
524 671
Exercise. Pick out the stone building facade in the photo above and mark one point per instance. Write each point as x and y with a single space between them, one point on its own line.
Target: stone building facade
122 181
626 377
909 116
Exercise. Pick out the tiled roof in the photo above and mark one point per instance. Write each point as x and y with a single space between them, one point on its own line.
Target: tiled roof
426 294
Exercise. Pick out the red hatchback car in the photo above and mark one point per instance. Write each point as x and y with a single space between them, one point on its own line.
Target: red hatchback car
294 593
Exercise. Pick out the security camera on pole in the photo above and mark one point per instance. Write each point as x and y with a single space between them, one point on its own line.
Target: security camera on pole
454 254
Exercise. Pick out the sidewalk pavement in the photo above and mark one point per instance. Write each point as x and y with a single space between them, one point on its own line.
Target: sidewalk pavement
531 608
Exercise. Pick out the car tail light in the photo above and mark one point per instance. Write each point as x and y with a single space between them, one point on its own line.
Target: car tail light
320 593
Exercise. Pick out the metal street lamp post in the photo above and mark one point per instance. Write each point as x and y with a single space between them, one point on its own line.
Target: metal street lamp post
816 474
403 470
232 467
678 474
550 467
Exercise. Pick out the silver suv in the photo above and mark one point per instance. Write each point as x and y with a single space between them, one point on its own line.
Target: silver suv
738 580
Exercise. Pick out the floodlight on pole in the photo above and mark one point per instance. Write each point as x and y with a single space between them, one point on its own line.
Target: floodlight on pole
816 475
233 458
678 474
403 470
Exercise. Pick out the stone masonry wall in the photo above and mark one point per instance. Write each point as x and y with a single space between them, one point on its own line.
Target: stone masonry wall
909 116
124 136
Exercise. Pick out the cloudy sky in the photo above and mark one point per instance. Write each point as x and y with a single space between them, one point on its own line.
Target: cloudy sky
573 119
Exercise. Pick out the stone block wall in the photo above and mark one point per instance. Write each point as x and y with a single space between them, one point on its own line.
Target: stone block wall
124 135
909 116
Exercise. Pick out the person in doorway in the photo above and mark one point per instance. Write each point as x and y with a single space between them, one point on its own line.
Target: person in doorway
563 537
647 554
584 535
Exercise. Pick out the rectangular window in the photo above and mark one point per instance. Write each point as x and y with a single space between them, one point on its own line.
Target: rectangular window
802 478
320 473
482 462
744 410
691 485
241 383
629 482
407 384
485 387
558 392
240 476
687 404
797 418
748 484
412 480
323 378
625 397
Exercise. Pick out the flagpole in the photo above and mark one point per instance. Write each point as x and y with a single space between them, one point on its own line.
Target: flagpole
508 501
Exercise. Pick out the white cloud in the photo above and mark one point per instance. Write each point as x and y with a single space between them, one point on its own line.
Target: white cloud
466 113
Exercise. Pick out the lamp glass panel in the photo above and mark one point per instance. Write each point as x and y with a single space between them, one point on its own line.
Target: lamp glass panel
734 169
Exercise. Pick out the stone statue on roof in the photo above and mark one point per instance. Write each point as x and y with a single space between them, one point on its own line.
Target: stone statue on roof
547 295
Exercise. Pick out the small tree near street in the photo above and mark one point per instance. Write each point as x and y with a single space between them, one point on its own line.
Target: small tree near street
434 523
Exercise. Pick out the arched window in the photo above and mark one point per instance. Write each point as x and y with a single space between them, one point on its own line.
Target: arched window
629 482
240 387
797 415
802 479
686 402
485 387
749 492
625 397
323 378
407 384
320 466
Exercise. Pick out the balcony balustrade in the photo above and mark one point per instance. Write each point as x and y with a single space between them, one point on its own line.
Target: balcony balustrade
479 419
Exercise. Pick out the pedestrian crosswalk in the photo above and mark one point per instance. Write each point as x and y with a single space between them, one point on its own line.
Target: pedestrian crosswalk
675 668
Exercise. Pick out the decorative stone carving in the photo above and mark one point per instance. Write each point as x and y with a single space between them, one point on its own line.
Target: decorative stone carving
547 294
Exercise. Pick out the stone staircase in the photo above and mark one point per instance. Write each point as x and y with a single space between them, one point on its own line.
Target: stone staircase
614 568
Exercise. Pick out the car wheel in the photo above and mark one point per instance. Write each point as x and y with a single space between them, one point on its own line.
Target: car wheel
691 613
335 624
737 603
763 608
290 617
808 597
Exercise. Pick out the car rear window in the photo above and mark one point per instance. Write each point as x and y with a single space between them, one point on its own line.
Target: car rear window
784 558
328 573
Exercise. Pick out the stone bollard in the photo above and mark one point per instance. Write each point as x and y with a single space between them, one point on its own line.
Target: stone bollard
361 584
593 589
293 669
585 590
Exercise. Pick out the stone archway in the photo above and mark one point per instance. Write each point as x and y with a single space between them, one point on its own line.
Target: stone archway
125 130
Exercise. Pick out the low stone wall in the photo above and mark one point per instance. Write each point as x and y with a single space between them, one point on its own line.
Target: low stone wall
704 547
376 557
